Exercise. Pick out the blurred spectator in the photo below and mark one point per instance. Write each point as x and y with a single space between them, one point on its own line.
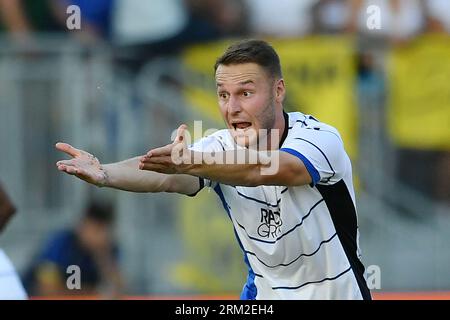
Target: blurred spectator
89 246
438 15
400 19
136 22
331 16
7 209
443 178
10 285
426 171
211 19
143 30
95 18
282 18
21 18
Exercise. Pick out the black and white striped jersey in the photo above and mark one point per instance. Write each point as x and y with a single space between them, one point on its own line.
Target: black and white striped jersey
298 242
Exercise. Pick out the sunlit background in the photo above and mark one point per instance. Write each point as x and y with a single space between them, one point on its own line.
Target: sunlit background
378 70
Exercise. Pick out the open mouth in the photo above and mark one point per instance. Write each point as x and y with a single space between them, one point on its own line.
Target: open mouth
241 125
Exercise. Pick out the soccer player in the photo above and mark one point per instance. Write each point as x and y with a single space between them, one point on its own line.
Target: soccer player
292 202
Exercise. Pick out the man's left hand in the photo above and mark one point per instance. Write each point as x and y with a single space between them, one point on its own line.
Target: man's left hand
170 159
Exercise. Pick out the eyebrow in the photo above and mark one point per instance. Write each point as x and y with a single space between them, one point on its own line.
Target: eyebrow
242 83
246 82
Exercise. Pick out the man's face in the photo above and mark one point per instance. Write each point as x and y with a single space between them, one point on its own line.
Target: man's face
246 100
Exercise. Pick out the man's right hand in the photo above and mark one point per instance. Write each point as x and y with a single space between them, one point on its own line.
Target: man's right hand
82 165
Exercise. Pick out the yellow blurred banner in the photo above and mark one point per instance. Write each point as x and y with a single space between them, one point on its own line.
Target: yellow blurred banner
419 89
319 74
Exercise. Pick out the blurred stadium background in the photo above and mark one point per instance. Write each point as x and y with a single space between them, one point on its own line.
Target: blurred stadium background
137 69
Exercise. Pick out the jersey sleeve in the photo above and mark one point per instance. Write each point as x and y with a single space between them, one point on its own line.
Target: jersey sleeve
321 151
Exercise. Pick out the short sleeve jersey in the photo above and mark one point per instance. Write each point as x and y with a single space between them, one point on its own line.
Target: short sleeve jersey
298 242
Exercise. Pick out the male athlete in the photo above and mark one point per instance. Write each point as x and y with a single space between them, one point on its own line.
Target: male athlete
296 225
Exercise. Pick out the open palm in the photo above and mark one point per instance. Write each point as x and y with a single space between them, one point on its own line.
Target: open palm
82 165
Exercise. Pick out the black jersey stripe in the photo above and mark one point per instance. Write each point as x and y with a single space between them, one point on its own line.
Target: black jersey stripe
322 130
201 186
221 143
314 282
343 214
323 153
251 237
304 124
259 201
281 236
300 256
301 221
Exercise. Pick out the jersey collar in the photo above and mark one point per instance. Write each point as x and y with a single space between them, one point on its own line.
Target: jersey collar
286 129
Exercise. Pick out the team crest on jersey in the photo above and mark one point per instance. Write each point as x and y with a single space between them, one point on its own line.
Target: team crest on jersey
270 223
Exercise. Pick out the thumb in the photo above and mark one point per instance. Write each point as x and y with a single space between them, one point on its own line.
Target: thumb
180 134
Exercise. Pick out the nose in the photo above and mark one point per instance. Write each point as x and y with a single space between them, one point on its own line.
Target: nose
234 105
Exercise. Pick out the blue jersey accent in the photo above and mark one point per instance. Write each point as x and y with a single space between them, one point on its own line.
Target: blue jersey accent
311 169
249 291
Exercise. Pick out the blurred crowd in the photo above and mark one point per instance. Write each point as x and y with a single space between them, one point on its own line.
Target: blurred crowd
137 31
177 22
82 259
90 247
140 30
133 22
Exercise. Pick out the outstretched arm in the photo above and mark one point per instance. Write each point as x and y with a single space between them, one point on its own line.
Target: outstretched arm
124 175
254 168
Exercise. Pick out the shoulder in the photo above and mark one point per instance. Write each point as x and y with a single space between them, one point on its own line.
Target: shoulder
303 126
319 146
298 121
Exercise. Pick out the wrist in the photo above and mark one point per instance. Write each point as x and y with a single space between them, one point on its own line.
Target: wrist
104 181
192 161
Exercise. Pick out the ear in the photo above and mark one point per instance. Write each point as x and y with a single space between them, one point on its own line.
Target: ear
280 93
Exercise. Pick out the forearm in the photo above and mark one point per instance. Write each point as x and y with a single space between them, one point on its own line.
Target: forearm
125 175
249 168
239 168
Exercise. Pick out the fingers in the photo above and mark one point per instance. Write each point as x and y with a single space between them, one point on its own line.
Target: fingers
164 160
78 172
161 164
67 148
65 162
180 133
167 150
68 169
162 151
155 167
